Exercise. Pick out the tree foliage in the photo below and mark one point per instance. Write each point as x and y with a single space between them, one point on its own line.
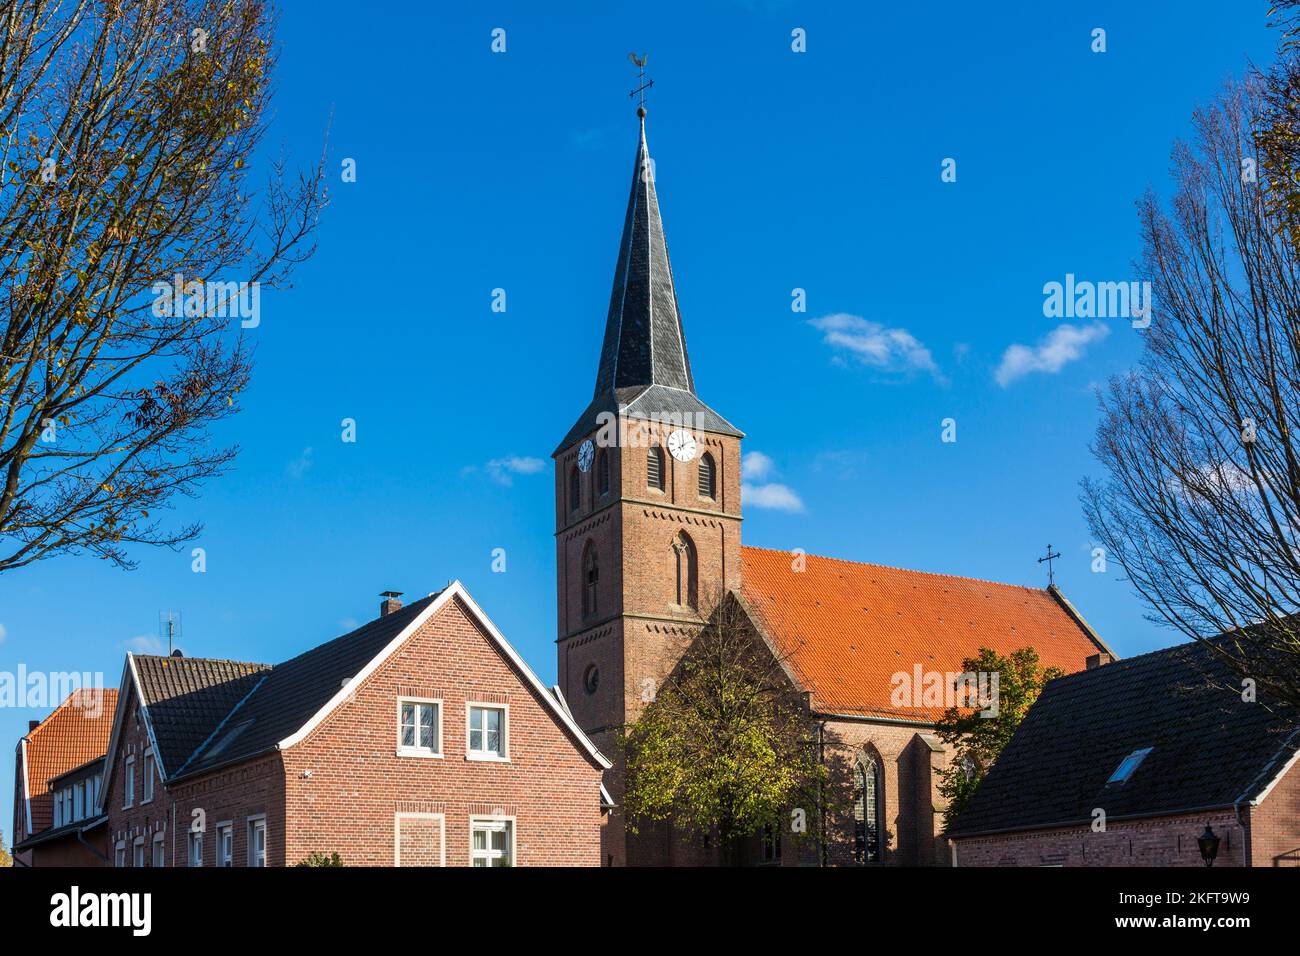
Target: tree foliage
127 136
1201 501
726 746
977 740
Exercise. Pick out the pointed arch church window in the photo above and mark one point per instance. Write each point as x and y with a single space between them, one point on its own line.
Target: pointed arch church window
687 572
590 578
868 809
575 489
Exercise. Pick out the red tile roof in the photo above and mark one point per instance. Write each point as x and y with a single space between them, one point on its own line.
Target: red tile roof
847 628
74 734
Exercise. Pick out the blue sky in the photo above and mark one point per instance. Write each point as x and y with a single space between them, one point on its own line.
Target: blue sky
775 170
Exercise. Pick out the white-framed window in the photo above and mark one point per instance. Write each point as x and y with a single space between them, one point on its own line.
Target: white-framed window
159 850
225 844
119 854
148 777
128 785
419 727
491 841
137 852
487 732
257 841
78 800
196 848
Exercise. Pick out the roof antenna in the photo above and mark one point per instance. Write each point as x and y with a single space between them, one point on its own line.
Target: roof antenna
639 63
169 623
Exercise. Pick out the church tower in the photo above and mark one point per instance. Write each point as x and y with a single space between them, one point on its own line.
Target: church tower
647 510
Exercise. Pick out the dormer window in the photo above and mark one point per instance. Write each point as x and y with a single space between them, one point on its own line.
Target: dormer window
1128 765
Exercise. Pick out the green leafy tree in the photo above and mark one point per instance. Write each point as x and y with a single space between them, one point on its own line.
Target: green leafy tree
726 747
977 739
320 859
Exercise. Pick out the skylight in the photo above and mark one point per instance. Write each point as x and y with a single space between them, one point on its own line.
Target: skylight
1128 765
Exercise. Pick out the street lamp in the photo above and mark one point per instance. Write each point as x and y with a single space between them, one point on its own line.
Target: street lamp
1209 844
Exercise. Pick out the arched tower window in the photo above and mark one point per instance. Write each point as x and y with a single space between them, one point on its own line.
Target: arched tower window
868 808
602 472
575 489
708 479
687 572
590 577
654 467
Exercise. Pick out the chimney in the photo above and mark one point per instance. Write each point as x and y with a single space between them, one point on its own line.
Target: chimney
32 725
392 601
1096 660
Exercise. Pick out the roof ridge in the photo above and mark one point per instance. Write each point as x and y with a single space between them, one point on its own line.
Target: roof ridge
208 660
891 567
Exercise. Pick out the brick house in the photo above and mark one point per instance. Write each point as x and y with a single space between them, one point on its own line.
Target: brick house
58 766
648 522
1127 764
420 738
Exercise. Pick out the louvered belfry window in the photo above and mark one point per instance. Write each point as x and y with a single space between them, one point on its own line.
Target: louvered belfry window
654 465
575 490
602 472
707 479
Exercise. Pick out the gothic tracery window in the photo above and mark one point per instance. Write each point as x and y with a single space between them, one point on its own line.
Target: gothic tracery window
868 809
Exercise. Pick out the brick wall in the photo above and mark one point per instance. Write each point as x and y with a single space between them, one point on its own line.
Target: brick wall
1160 841
1275 824
346 785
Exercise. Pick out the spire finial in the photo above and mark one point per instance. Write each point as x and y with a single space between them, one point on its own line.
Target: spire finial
639 63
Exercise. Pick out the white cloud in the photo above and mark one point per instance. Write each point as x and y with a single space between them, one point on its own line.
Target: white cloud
1064 344
874 345
503 470
755 466
145 644
298 467
774 496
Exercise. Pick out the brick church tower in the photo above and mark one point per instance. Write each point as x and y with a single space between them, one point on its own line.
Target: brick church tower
647 510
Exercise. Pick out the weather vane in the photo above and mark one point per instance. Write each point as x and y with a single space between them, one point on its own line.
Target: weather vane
639 63
1051 578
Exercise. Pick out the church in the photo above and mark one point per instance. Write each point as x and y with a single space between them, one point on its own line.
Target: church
648 517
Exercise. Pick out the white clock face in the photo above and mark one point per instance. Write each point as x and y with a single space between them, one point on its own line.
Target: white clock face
585 454
681 444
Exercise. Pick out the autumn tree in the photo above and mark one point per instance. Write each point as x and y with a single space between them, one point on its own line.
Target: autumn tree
133 252
725 747
1200 442
5 858
976 734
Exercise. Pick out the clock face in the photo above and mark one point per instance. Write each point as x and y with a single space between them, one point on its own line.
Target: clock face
681 444
585 454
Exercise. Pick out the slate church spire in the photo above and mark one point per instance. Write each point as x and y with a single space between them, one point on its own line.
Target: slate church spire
644 370
644 340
